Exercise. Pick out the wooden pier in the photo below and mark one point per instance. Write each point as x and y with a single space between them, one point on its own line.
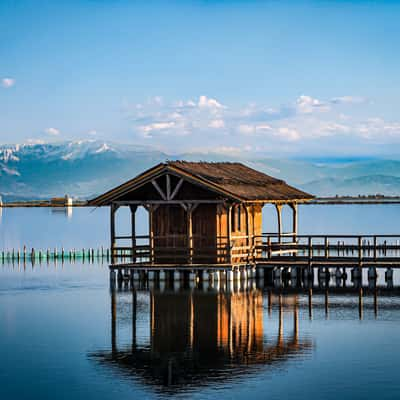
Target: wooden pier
272 250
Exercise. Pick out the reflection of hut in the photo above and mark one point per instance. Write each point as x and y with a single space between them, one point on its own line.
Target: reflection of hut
199 212
198 337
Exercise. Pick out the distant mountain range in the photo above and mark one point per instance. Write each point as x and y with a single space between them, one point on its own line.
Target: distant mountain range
86 168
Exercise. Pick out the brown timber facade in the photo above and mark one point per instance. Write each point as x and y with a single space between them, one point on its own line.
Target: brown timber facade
199 213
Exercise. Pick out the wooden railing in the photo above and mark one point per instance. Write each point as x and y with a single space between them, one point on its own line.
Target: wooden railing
173 248
251 249
369 247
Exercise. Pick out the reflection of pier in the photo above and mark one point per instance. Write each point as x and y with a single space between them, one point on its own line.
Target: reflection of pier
197 337
277 281
276 276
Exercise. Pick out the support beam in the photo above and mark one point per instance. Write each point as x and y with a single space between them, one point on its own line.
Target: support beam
168 186
279 215
293 206
113 210
133 209
229 231
167 202
150 209
176 190
189 208
159 190
249 243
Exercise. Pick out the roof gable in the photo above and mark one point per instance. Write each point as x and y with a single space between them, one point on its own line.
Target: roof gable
233 181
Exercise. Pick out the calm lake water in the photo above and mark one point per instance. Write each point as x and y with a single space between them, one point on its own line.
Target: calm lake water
64 334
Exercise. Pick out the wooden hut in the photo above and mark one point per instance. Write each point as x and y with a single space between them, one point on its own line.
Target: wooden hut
199 212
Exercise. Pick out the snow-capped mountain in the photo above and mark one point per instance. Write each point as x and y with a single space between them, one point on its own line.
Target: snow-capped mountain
88 167
80 168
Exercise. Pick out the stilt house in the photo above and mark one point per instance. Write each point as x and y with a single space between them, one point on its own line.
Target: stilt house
199 212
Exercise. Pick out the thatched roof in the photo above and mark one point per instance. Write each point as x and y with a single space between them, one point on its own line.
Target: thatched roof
230 179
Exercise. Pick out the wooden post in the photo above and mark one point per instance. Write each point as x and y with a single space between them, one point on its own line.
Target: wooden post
114 209
229 233
279 214
150 209
133 232
250 250
326 247
293 206
359 251
310 254
269 247
375 250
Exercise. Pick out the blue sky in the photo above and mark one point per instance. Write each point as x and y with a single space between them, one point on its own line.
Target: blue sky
304 77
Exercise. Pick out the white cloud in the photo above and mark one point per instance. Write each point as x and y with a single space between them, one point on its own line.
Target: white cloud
157 126
206 102
246 129
156 100
217 124
289 134
307 105
7 82
148 130
255 130
349 100
335 127
290 126
175 116
184 104
263 128
378 128
52 131
92 132
223 150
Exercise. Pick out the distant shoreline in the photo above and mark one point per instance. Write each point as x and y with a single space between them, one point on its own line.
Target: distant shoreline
356 200
42 203
317 200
